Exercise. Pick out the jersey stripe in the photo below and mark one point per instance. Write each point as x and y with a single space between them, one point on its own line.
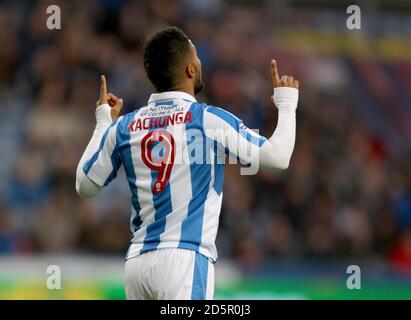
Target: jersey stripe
179 180
199 287
218 169
116 161
192 225
162 205
144 192
123 141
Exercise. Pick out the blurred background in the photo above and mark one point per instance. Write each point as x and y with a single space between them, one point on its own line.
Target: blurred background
345 200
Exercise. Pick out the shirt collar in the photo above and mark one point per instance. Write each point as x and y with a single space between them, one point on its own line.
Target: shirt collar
168 95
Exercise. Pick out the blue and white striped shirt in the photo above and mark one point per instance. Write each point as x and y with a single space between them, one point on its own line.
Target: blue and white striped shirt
173 152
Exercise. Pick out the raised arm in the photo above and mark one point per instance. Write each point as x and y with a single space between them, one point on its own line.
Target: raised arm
277 151
274 152
98 164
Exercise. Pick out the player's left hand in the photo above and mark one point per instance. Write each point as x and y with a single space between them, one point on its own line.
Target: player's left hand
114 102
284 81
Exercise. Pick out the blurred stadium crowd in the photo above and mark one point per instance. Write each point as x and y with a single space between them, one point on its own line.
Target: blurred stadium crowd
347 192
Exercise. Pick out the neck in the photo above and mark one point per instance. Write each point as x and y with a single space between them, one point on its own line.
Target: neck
187 88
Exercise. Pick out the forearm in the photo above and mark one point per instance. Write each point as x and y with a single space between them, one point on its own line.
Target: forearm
85 187
277 150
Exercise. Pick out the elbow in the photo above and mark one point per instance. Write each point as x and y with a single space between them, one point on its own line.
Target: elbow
82 192
82 188
84 195
276 163
283 164
85 187
279 154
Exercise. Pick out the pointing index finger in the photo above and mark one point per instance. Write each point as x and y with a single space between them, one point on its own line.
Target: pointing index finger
274 72
103 90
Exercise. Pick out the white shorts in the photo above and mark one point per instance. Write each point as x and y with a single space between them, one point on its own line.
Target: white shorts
169 274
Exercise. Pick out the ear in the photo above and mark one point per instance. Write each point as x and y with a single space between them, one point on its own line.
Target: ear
190 71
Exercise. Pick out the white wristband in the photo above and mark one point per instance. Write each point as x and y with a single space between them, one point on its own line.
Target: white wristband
285 97
103 115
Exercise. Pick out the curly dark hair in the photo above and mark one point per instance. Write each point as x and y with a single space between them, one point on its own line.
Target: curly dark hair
164 57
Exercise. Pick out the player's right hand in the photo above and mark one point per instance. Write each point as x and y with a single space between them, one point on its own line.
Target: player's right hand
284 81
114 102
